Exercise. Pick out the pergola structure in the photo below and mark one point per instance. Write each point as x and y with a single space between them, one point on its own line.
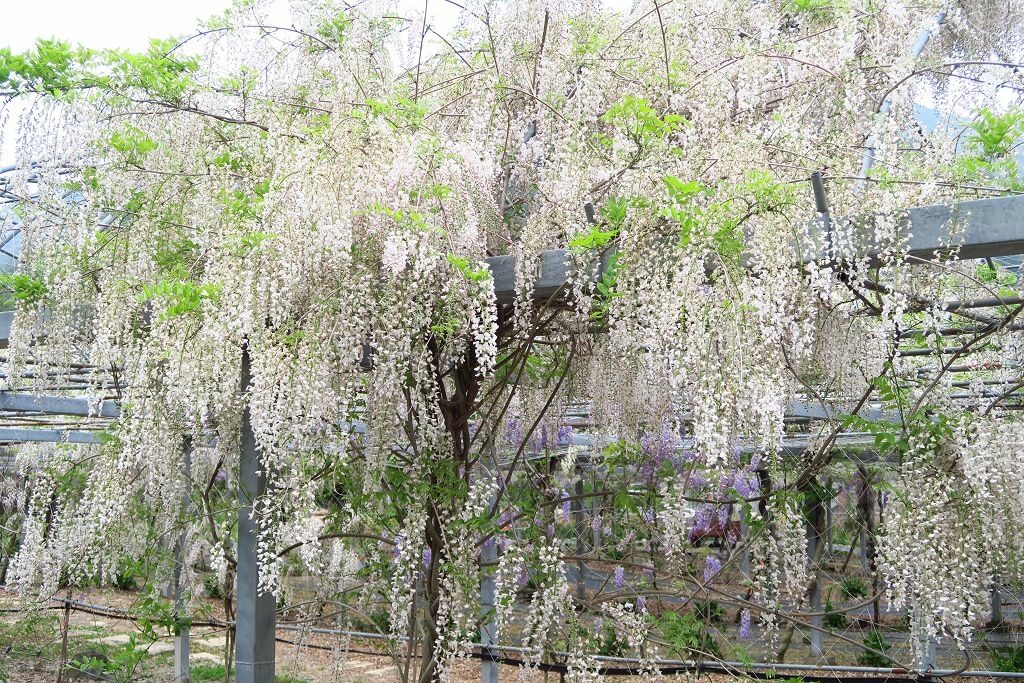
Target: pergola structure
987 229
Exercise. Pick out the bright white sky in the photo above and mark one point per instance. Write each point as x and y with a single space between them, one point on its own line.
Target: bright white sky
126 24
102 23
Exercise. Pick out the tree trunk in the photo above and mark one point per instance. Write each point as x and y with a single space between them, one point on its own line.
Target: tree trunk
456 410
866 503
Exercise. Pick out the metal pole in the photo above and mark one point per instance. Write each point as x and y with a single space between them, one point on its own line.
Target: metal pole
745 553
254 632
814 594
997 605
489 628
488 631
926 646
580 528
181 637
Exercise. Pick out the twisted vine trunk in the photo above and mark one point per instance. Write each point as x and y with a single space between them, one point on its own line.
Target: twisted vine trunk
866 503
457 399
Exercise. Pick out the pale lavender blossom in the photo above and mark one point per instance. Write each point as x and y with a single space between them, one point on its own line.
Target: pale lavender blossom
657 448
641 604
524 577
396 548
755 460
539 439
745 624
565 433
702 520
619 577
712 565
514 431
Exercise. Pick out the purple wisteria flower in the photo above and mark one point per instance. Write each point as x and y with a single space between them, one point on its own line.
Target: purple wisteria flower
565 434
657 448
745 624
524 577
755 460
427 556
702 520
712 565
396 549
697 480
619 577
641 604
539 439
514 431
566 507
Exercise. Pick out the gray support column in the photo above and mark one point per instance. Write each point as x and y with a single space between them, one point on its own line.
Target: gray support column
578 523
488 631
830 513
181 638
814 541
997 605
254 630
926 647
488 628
864 509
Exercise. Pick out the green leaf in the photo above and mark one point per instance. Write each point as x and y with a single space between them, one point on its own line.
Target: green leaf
683 191
25 289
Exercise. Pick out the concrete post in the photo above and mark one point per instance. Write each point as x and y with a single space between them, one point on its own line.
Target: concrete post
488 629
997 605
814 551
578 523
181 638
254 631
926 648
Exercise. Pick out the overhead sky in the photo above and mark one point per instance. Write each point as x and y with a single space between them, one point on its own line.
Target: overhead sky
101 23
126 24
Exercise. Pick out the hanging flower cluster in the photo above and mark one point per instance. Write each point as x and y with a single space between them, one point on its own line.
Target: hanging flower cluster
288 226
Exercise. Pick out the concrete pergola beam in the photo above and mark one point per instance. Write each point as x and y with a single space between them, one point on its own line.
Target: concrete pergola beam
14 402
16 435
984 227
